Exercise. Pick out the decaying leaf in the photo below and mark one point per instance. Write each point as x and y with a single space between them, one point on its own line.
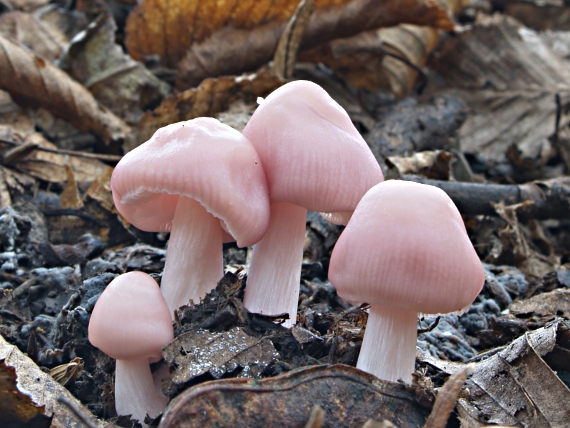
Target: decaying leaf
67 372
32 81
509 79
51 167
211 97
41 389
44 40
543 307
388 58
513 243
70 195
169 28
118 82
516 387
17 408
349 397
432 164
197 352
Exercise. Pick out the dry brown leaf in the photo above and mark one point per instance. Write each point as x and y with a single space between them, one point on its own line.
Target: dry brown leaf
16 407
43 390
511 93
222 41
434 164
230 51
26 5
32 81
118 82
553 15
377 59
69 197
51 167
26 28
211 97
515 387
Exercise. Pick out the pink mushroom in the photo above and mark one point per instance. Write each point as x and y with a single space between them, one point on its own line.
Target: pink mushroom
405 250
131 323
197 179
314 159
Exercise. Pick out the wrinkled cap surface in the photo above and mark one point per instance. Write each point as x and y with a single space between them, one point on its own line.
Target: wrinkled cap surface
130 320
312 154
202 159
406 246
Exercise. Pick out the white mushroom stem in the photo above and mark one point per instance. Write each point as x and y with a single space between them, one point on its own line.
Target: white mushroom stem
389 346
135 393
274 275
194 260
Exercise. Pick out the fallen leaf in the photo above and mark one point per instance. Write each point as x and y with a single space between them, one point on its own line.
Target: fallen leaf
118 82
210 98
432 164
69 197
549 15
51 167
349 397
234 37
43 390
65 373
17 408
543 307
27 5
197 352
32 81
233 48
509 80
43 40
388 58
515 387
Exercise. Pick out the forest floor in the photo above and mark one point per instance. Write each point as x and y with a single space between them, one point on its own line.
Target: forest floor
473 98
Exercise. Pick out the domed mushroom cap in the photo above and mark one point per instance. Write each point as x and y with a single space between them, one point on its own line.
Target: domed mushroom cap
130 319
202 159
406 246
312 154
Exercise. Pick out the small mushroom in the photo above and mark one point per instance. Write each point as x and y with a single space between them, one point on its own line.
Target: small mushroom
314 159
197 180
131 323
405 250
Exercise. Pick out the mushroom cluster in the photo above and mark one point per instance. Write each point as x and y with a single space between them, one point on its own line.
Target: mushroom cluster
404 249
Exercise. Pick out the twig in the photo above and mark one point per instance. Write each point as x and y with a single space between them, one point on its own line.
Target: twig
549 199
71 406
101 157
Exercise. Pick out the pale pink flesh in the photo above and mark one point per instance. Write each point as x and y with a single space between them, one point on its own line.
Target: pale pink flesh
135 392
194 260
276 290
389 346
313 157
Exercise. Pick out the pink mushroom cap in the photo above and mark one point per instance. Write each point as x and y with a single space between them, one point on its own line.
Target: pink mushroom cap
131 320
312 154
204 160
406 247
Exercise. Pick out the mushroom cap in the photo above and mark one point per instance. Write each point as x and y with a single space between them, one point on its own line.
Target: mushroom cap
130 320
312 154
406 246
202 159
